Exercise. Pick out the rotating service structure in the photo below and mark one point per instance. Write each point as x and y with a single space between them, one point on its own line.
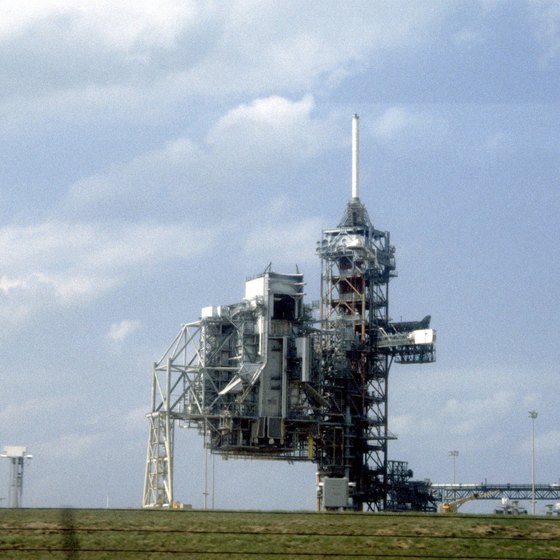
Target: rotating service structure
275 378
238 375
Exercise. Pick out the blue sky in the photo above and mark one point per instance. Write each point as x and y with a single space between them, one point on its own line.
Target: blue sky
154 155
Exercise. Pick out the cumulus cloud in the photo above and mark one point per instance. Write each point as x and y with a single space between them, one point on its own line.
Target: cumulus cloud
498 142
271 129
127 57
120 24
147 183
260 42
248 145
396 121
412 424
71 55
289 243
457 410
122 330
73 259
549 441
135 419
546 443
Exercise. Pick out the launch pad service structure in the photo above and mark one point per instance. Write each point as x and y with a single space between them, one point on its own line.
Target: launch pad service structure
271 378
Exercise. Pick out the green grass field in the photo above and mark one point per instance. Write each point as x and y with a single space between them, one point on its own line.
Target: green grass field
112 534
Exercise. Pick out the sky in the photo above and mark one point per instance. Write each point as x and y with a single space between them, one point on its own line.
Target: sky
156 154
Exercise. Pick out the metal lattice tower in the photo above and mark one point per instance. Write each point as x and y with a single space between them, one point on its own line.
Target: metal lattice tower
17 456
357 263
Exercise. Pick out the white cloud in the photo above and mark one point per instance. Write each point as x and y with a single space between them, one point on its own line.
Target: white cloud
271 129
68 446
122 330
468 38
139 185
261 42
135 58
72 60
66 262
412 424
499 142
549 442
396 121
466 416
287 243
120 24
59 264
8 284
135 419
249 145
545 443
545 15
17 414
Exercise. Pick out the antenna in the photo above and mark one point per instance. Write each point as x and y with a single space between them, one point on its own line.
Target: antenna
355 158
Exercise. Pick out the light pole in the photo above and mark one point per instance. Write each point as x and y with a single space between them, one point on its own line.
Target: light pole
454 454
533 415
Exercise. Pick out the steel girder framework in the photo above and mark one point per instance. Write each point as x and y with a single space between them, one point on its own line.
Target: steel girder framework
357 263
186 386
359 345
260 380
211 378
451 492
173 376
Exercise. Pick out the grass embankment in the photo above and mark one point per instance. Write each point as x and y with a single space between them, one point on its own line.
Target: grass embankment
113 534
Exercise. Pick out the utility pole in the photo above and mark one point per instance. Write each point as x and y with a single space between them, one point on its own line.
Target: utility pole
533 415
454 454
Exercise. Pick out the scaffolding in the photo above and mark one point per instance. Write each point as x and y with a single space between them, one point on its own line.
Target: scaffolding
359 344
241 376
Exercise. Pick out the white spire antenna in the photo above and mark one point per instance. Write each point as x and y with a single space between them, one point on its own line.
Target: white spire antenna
355 158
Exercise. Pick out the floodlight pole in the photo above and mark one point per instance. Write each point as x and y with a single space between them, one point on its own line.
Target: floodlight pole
454 454
17 456
533 415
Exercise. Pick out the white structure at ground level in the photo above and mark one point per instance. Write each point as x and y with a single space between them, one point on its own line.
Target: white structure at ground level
17 455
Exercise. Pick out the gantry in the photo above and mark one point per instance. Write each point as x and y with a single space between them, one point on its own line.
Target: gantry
274 378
